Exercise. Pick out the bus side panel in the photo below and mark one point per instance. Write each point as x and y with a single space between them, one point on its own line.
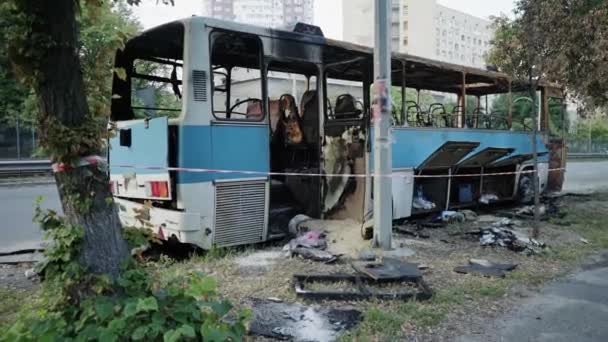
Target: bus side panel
412 146
240 148
241 218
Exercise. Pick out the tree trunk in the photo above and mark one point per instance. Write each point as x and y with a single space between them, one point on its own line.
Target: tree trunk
60 87
103 248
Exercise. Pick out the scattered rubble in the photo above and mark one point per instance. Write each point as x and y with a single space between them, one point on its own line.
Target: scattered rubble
311 245
315 254
30 273
529 210
511 239
504 222
469 215
412 231
421 202
488 198
296 322
449 216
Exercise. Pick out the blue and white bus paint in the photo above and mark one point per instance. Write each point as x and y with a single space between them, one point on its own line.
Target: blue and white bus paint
210 209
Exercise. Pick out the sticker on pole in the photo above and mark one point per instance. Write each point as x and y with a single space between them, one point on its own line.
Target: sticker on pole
381 102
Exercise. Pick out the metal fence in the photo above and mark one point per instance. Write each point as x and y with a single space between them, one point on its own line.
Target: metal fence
17 142
587 145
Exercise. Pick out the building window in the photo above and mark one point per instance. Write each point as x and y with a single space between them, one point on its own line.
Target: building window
405 9
462 37
405 25
405 42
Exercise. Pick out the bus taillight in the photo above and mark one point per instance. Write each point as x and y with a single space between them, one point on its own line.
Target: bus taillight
157 189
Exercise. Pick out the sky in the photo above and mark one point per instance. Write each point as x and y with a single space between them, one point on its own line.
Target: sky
150 14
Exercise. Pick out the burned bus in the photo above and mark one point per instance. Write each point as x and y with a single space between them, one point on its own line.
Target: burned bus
224 131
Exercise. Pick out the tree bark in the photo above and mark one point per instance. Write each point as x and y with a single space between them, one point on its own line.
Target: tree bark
103 248
61 92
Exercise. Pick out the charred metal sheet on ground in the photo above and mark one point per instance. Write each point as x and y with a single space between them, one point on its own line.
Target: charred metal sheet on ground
368 284
390 270
485 268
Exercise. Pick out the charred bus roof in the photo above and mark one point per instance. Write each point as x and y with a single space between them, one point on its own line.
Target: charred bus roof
350 61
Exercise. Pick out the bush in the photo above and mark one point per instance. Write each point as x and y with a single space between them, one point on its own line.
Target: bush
137 309
77 306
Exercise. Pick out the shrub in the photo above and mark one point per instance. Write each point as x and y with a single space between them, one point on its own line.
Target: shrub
77 306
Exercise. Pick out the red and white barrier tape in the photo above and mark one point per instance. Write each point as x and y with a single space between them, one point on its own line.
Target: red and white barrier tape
85 161
371 175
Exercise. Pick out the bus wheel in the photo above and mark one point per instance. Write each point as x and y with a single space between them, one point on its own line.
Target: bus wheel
525 189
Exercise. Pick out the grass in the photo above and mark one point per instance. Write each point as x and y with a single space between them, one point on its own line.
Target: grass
587 218
387 321
392 321
11 302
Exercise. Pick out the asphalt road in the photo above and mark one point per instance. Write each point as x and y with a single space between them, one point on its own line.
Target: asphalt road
16 211
19 232
573 309
586 176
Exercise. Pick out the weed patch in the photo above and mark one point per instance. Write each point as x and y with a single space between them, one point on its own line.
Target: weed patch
11 302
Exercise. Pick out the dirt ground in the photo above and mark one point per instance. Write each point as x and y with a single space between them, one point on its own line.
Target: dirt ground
462 303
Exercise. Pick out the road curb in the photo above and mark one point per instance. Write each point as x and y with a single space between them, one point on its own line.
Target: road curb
25 182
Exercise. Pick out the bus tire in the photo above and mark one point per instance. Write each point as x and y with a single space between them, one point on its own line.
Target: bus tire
525 189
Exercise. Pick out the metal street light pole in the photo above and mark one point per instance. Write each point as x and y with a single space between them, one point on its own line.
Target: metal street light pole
381 111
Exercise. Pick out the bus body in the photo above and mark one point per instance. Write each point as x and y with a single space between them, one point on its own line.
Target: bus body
198 153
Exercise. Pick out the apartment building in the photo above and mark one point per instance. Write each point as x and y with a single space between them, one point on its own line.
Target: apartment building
418 27
220 9
461 38
266 13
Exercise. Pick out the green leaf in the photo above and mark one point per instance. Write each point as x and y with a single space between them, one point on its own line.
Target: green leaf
187 331
130 310
147 304
221 308
107 335
212 333
117 324
171 336
201 286
121 73
140 333
104 308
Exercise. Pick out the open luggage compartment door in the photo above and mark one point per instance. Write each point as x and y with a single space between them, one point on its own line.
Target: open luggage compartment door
139 159
485 157
515 159
448 155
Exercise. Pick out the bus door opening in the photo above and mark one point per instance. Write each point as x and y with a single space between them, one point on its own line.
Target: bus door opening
294 141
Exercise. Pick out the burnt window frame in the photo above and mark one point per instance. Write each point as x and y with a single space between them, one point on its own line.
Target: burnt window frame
262 69
120 108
